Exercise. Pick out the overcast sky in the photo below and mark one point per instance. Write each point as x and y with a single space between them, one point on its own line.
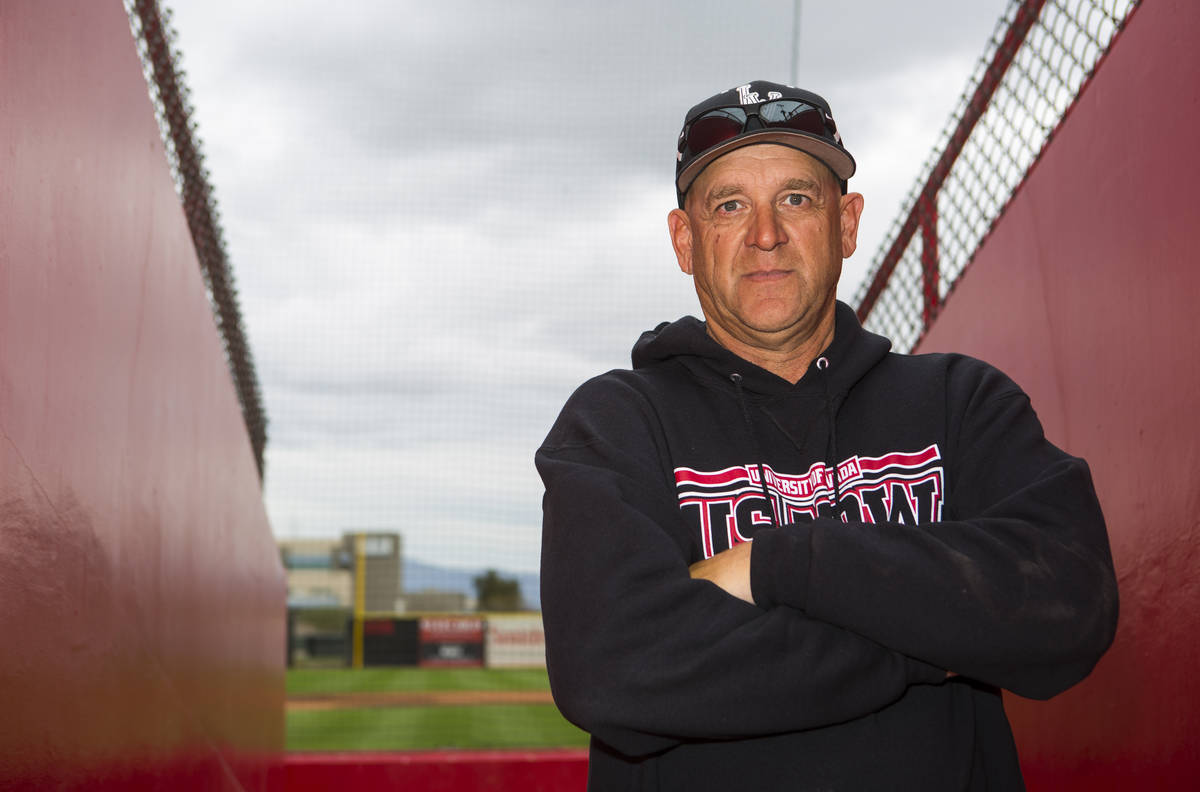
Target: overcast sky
442 217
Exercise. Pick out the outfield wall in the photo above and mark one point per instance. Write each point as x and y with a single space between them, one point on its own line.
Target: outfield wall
1085 293
141 596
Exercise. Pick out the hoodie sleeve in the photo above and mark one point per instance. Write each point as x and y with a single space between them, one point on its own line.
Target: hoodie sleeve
641 655
1014 588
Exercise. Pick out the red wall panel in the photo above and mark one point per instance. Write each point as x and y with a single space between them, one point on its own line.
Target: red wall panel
1086 293
437 771
142 613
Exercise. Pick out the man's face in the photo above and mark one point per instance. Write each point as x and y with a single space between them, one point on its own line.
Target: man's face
763 234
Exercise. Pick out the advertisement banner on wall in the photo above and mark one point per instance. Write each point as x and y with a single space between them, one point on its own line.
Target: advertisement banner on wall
515 641
451 641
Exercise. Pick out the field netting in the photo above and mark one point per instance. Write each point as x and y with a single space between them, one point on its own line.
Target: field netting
457 661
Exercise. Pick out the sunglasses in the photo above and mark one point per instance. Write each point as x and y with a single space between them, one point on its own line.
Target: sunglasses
726 123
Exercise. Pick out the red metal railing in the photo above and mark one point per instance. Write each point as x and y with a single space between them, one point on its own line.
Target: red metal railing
1038 62
923 214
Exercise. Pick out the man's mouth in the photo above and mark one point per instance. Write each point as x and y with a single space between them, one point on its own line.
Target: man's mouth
766 276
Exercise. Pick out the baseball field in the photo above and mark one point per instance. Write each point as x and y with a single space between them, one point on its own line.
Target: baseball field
423 709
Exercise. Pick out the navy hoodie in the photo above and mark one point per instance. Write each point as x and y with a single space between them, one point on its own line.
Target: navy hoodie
909 519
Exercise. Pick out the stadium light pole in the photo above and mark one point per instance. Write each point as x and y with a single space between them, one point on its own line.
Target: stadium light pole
360 599
796 44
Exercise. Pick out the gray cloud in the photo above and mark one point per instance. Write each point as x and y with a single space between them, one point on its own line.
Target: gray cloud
443 217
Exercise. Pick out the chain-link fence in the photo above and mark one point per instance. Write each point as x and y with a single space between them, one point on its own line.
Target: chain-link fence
1036 64
173 111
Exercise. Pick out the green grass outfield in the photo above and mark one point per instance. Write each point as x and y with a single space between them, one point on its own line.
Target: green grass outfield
345 680
398 728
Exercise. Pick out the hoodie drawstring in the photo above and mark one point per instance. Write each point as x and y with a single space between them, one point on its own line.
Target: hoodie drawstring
831 448
762 476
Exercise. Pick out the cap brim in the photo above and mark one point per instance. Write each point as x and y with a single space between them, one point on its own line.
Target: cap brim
840 162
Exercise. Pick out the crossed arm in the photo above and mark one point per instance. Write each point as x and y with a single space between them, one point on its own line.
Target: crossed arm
1021 594
730 571
643 653
639 653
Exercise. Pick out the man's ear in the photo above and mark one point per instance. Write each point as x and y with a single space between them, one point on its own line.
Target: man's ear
851 212
680 227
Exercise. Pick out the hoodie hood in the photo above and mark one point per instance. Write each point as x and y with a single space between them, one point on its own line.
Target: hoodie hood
851 354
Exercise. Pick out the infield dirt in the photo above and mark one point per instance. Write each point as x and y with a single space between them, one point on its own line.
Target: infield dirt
413 698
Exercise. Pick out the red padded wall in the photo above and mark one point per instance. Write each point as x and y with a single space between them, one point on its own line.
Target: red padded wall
142 613
551 770
1086 293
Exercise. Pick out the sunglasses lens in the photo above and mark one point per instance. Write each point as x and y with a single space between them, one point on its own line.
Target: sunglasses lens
794 115
715 127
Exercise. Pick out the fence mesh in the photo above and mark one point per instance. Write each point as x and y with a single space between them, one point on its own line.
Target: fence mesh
172 108
1036 63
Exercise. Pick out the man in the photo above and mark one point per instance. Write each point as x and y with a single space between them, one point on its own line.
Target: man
917 543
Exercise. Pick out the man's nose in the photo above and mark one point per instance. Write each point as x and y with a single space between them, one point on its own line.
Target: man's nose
766 232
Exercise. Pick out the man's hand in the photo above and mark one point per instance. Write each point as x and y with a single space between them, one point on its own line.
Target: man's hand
729 569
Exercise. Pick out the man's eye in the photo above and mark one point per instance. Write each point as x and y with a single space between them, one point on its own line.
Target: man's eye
729 206
797 199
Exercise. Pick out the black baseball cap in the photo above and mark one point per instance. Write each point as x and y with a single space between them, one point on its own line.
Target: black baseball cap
759 112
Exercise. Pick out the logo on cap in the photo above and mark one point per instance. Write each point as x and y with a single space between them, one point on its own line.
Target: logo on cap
748 97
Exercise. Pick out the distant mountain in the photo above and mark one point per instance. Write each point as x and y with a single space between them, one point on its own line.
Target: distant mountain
419 576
